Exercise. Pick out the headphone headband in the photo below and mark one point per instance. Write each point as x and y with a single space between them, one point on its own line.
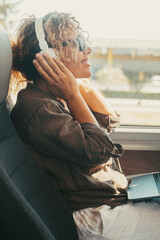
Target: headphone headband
40 33
41 38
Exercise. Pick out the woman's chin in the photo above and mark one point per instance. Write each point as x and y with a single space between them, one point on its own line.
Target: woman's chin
87 75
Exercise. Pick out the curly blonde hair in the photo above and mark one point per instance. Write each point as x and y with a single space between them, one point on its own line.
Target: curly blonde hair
26 45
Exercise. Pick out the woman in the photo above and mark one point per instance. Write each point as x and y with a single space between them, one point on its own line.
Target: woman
63 121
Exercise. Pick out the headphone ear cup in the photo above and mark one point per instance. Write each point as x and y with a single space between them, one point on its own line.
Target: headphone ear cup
50 51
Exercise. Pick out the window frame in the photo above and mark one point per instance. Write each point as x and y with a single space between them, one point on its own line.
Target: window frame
133 137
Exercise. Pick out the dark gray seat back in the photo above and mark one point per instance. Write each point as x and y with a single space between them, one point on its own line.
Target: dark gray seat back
30 206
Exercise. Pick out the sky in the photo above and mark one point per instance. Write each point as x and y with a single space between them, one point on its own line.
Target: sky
113 19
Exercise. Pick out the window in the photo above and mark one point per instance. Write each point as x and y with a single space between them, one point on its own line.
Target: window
128 73
126 50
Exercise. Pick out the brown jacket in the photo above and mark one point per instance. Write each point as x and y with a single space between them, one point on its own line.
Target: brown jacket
74 155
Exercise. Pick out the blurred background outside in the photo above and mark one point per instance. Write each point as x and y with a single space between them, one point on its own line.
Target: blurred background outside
125 60
128 72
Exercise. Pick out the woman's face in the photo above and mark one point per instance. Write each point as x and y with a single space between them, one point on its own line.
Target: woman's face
78 65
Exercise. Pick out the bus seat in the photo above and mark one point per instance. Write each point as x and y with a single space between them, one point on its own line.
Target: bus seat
30 206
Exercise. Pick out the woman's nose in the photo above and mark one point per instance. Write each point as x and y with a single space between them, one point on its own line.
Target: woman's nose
87 51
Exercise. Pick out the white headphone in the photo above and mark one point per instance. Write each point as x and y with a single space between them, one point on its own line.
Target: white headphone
41 38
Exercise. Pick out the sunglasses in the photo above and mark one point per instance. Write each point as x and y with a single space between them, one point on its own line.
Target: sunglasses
80 41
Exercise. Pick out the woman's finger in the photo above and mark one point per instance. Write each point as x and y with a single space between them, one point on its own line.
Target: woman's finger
42 72
46 67
61 65
53 64
129 182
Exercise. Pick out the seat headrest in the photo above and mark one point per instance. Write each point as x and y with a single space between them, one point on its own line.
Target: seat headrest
5 63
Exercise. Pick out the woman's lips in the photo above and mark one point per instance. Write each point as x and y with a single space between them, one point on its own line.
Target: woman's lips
85 61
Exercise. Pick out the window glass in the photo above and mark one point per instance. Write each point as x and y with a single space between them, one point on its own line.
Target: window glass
125 60
128 73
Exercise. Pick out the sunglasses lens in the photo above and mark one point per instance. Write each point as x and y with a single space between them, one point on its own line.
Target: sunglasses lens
82 44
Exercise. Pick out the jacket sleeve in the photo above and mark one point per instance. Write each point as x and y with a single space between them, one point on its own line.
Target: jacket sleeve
54 132
107 122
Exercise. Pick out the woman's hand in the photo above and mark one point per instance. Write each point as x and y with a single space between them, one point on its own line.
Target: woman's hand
62 84
60 80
